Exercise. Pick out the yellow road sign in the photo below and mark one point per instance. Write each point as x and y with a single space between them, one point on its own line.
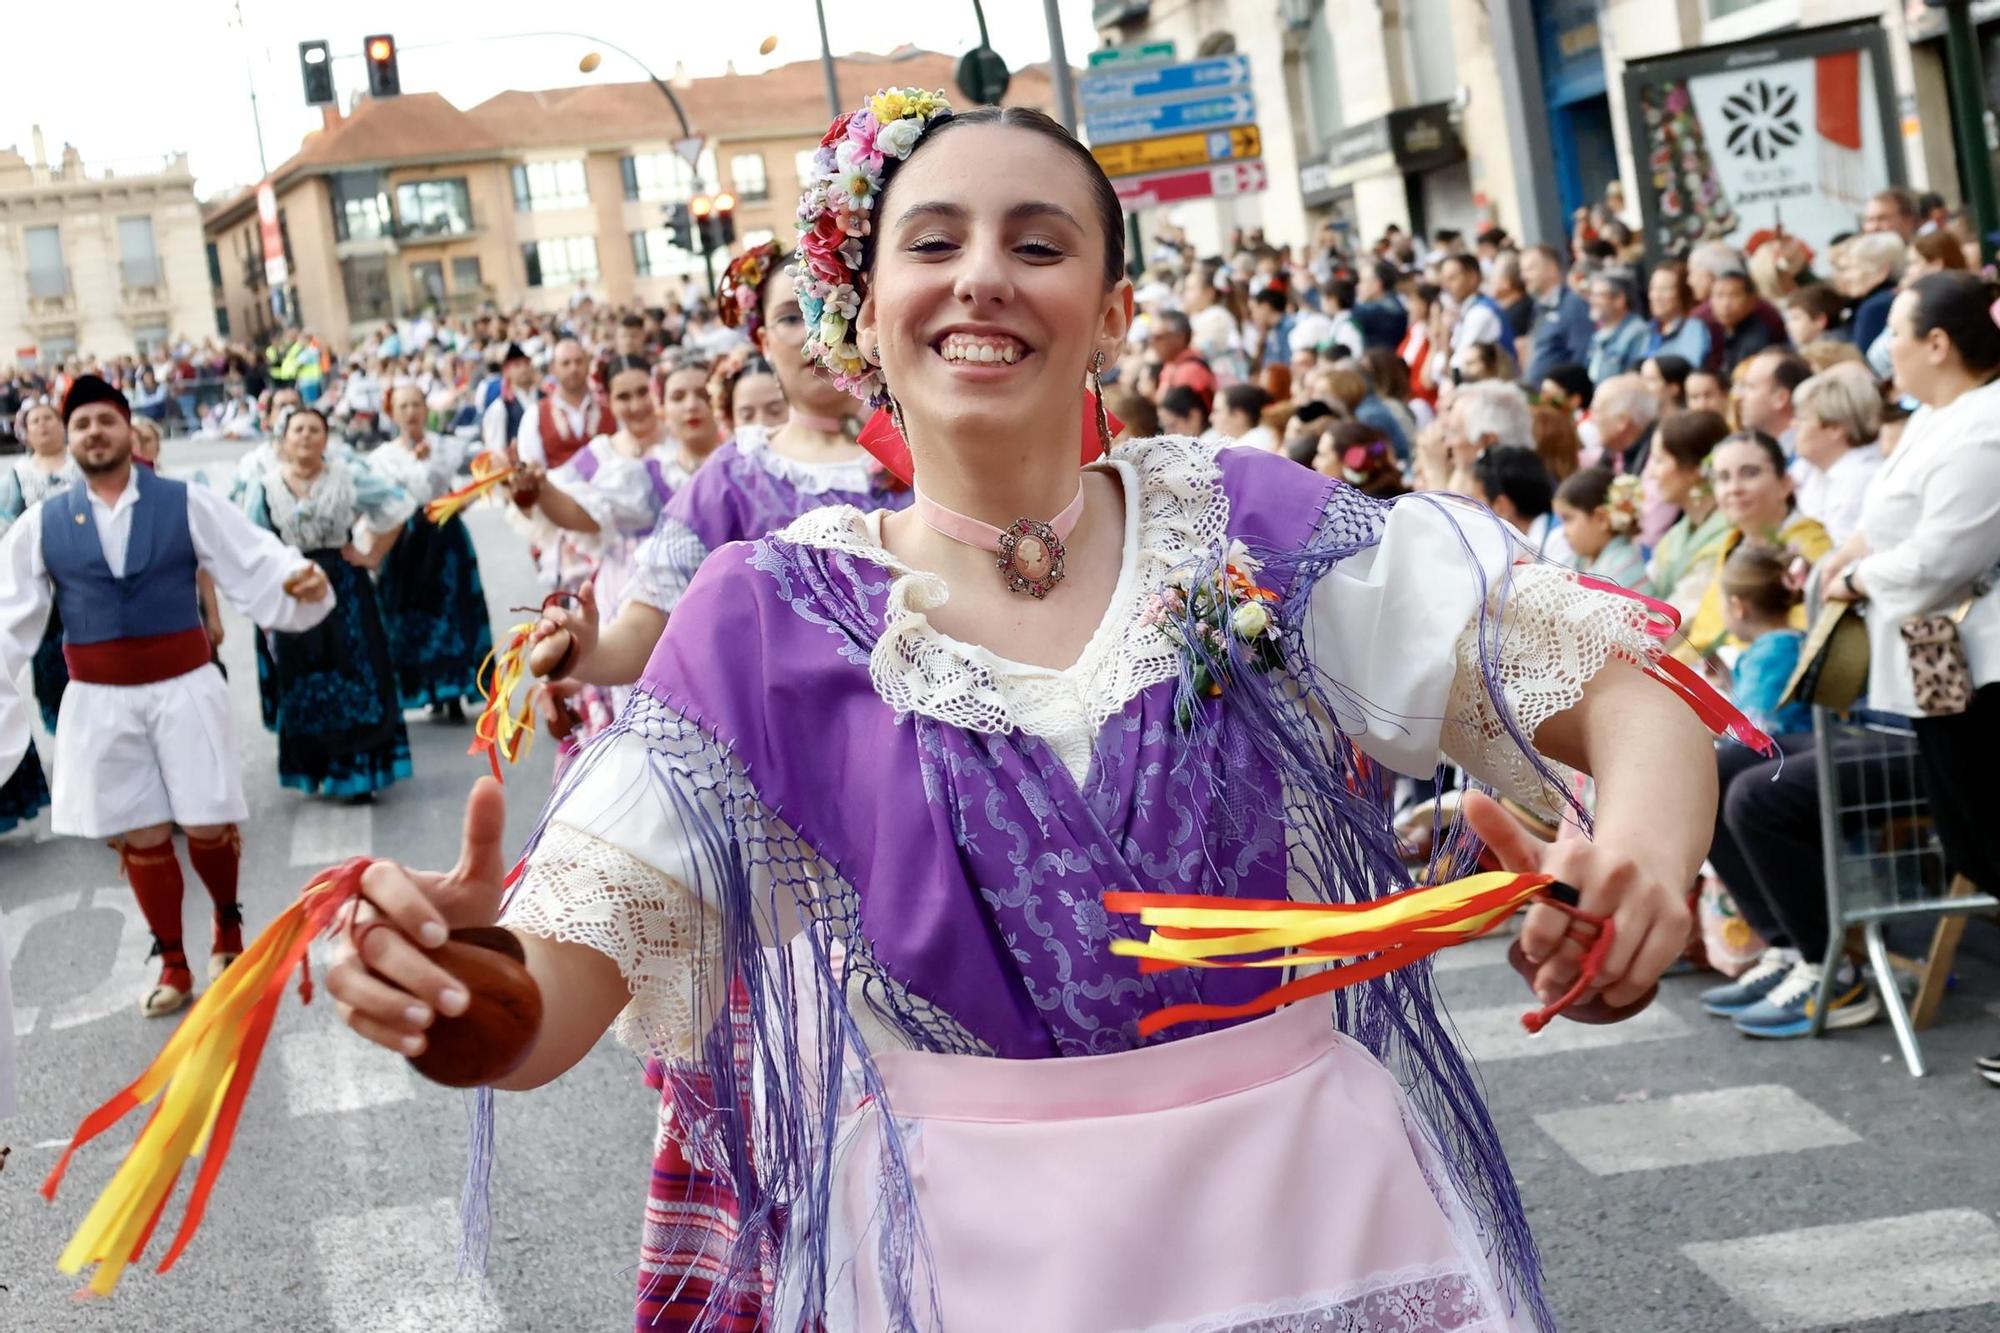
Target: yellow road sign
1176 151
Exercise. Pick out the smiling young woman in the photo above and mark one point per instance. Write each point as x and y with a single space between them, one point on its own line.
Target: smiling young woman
843 864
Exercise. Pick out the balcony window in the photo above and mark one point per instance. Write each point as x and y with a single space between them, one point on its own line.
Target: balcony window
465 275
48 276
657 178
433 208
366 280
214 265
654 255
746 170
560 261
138 262
427 283
360 206
547 187
802 164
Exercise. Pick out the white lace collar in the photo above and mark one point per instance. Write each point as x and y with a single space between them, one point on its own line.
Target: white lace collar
1174 507
852 475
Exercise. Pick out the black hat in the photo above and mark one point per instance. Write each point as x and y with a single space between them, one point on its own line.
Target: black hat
90 389
515 352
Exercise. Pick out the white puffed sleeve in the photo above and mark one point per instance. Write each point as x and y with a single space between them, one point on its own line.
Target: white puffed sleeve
619 496
628 867
1436 637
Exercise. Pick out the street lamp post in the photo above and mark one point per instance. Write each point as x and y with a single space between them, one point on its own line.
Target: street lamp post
833 104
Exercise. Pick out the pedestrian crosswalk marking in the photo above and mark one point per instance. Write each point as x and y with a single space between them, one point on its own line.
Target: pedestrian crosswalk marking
393 1269
324 835
20 922
1496 1033
1692 1128
329 1070
131 969
1852 1272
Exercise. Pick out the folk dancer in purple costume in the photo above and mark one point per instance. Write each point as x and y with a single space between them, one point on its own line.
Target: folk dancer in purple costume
146 741
608 498
36 475
433 603
884 787
756 483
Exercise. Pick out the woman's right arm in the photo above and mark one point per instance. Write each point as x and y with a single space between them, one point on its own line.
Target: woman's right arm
1954 542
390 991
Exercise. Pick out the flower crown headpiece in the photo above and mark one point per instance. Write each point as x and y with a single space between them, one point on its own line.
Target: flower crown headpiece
737 301
1624 500
850 172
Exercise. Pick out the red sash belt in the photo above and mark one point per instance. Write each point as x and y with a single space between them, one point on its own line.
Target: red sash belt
145 660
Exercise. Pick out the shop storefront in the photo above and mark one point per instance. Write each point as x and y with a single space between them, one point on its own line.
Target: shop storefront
1407 167
1571 47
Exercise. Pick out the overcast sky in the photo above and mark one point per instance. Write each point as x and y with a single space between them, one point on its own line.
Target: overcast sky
166 77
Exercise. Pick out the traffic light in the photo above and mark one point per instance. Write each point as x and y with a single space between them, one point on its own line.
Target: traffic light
316 68
380 53
722 222
700 211
680 226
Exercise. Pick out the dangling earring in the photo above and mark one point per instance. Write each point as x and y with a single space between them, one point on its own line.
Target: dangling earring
896 415
1097 392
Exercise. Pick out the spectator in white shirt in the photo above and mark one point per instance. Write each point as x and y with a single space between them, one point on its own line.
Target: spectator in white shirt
1476 317
1836 416
1239 418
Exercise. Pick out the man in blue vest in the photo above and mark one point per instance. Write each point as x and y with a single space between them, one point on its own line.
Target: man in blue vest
145 740
500 423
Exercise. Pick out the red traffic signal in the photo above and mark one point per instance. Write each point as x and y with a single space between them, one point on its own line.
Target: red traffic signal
383 78
725 202
701 205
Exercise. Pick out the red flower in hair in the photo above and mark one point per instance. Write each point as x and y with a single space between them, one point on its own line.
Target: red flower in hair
837 131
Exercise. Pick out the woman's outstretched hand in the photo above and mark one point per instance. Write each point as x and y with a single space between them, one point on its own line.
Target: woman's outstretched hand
384 984
564 636
1650 918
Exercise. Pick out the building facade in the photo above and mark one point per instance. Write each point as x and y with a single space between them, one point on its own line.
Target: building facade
1357 102
410 204
97 261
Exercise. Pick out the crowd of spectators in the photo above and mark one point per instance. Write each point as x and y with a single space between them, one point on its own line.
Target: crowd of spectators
1719 431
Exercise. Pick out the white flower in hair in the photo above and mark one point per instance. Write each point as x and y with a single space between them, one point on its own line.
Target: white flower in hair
897 138
844 299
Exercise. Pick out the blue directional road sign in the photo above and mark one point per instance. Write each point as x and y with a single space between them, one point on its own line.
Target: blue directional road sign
1149 120
1111 85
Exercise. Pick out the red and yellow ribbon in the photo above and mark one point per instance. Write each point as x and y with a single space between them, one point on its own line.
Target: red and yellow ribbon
488 472
201 1079
1357 941
504 728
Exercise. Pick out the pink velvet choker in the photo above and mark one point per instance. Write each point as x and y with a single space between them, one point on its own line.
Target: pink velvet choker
1031 552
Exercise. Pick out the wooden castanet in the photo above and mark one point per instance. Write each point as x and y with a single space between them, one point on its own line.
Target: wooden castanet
495 1033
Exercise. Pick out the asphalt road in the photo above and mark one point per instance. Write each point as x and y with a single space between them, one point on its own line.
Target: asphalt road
1680 1178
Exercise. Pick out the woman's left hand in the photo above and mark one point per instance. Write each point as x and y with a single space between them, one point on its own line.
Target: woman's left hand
1650 918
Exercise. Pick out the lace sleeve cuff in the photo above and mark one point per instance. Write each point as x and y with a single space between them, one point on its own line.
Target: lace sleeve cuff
583 890
1547 635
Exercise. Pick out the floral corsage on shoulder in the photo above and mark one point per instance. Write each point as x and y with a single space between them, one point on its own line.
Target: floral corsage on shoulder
1223 621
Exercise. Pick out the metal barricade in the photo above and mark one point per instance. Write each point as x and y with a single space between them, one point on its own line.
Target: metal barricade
1883 861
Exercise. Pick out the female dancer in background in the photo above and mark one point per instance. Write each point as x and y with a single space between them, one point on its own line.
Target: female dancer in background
433 603
607 499
756 484
41 472
753 396
333 687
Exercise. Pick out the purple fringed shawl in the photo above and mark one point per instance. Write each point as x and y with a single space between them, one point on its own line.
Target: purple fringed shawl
977 863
